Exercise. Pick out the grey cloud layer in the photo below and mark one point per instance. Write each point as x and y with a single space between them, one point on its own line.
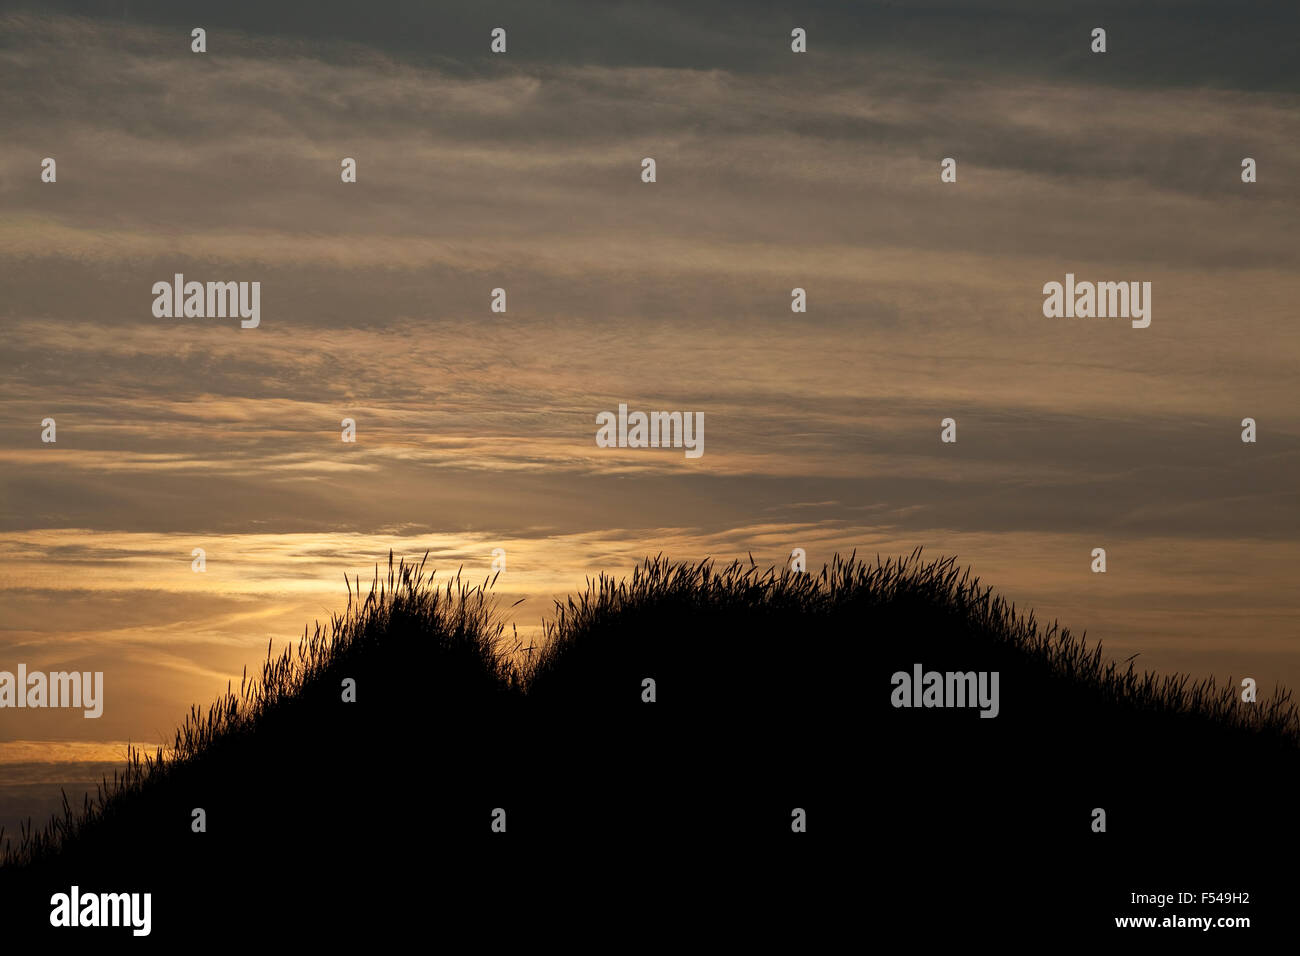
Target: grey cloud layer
1249 44
262 128
774 172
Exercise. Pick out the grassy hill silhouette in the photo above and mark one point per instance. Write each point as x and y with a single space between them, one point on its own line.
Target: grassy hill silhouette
773 692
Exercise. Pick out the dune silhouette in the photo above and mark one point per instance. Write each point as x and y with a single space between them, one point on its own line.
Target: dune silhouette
775 694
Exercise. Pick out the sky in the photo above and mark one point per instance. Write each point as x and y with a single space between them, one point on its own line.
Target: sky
475 430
